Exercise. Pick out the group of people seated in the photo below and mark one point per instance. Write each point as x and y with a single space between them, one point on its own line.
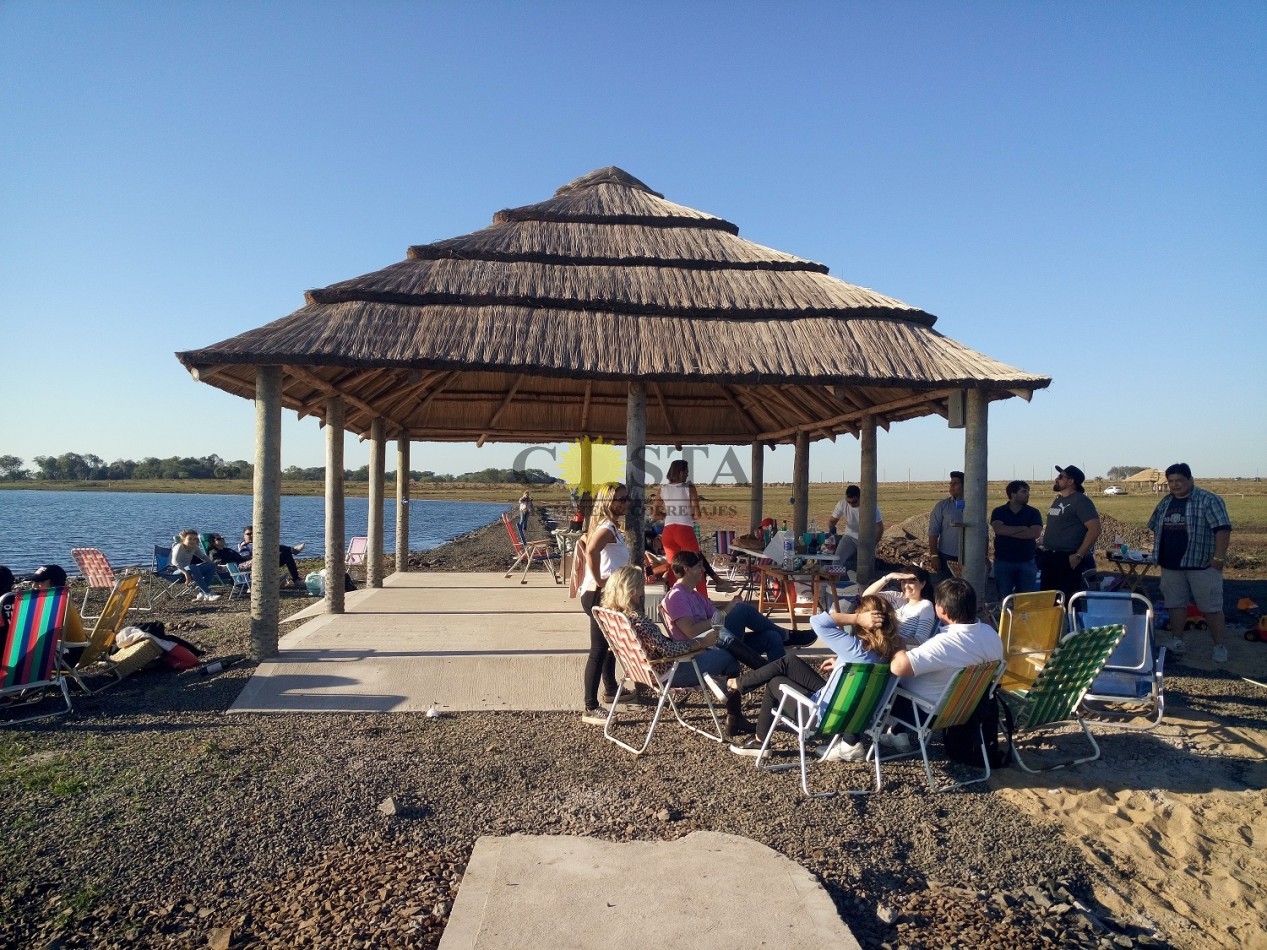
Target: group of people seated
196 559
744 651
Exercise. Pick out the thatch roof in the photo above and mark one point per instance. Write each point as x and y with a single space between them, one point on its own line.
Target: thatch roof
532 328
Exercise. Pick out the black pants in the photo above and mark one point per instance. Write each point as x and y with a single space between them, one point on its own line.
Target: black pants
1055 573
601 663
286 559
787 669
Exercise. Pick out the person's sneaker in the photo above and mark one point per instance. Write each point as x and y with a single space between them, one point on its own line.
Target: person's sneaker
1175 645
210 598
200 596
896 740
739 725
595 717
750 747
297 548
714 687
607 697
1219 654
801 638
844 751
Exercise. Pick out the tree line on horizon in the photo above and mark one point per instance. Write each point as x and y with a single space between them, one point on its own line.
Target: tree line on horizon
73 467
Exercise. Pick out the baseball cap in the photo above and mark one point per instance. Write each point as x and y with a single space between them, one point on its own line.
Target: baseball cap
55 576
1072 471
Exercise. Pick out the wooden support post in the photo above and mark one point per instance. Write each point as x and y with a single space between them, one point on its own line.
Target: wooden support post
867 539
976 490
800 485
402 503
758 487
266 515
585 494
636 469
335 566
374 527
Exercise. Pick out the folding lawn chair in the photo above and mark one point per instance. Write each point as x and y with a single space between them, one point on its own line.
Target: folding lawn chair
723 559
241 580
1133 680
29 653
357 553
855 700
175 580
1054 698
954 707
529 553
96 658
96 569
655 674
1030 625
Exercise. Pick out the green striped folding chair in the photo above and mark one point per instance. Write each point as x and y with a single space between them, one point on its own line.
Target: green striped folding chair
1075 663
854 700
958 701
30 651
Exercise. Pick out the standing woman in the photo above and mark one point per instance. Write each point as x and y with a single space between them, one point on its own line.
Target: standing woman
605 551
525 511
678 505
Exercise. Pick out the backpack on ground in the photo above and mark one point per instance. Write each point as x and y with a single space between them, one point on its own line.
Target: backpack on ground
991 721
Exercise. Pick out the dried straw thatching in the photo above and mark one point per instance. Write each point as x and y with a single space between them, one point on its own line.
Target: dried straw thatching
533 328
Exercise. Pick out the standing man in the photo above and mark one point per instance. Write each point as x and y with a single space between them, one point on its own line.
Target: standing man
1017 527
944 541
1073 526
847 508
1191 531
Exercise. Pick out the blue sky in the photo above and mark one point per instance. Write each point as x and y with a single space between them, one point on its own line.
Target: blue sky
1073 188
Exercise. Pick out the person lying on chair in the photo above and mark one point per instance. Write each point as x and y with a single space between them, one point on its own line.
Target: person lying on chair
285 555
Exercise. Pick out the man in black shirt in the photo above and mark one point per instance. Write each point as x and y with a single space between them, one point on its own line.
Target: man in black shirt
1017 527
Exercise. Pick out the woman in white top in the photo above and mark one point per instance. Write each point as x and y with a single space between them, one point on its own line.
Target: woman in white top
678 505
605 551
916 616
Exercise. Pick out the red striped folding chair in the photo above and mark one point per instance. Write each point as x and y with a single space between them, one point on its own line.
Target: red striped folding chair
30 652
96 569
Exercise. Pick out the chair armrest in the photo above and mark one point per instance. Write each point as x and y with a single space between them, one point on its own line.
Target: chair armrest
794 694
681 656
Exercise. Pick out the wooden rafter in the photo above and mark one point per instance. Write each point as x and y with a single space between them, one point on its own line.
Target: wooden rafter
497 413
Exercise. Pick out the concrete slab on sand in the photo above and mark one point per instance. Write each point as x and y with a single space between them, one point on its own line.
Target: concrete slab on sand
697 891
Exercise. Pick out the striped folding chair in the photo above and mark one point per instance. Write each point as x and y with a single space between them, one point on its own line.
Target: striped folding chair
958 701
657 675
1060 687
723 560
96 569
30 651
855 700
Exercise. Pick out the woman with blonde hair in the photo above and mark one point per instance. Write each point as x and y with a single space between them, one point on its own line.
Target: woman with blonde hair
872 637
625 593
605 552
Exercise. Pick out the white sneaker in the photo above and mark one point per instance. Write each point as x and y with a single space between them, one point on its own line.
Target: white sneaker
844 751
200 596
210 598
1175 645
1219 654
896 740
298 548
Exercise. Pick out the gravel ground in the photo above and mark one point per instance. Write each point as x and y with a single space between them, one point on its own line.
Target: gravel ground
150 818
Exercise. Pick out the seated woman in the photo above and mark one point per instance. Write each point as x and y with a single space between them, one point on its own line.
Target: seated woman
625 592
872 637
285 555
751 636
189 562
916 616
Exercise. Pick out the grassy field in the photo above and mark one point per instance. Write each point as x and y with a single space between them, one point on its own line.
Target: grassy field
727 506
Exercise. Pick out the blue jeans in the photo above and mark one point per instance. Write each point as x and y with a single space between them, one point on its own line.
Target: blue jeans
201 574
756 630
1015 577
714 661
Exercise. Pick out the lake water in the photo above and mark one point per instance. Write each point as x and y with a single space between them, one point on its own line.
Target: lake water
38 527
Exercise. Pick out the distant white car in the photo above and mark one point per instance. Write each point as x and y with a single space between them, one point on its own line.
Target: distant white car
1114 490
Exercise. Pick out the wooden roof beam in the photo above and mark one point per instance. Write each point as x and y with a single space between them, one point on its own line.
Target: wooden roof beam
330 389
510 394
739 407
664 408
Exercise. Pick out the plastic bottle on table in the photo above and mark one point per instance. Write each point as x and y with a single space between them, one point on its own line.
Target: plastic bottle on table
789 550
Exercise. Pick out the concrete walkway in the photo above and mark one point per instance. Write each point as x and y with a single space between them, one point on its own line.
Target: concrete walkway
708 891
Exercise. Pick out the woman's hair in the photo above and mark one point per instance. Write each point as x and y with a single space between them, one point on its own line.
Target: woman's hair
678 470
602 510
924 578
187 532
884 639
683 561
624 590
6 579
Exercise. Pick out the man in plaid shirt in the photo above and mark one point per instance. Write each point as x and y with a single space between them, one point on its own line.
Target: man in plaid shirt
1192 529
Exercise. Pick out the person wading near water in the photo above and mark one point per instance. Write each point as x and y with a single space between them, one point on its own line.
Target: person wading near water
1191 532
1073 526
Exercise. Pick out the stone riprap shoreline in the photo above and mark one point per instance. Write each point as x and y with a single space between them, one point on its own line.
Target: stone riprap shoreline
151 818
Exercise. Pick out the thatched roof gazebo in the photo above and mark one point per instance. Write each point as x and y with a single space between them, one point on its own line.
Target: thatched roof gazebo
612 312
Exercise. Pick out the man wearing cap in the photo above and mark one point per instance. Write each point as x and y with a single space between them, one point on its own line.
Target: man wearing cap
48 576
848 508
1191 531
1073 525
944 533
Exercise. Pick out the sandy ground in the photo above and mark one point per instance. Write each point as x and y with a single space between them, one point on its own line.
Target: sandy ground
1176 817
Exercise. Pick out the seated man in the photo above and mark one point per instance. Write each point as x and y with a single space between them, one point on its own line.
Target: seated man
963 641
285 555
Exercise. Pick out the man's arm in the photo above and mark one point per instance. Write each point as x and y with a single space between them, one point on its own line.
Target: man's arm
900 665
1088 543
